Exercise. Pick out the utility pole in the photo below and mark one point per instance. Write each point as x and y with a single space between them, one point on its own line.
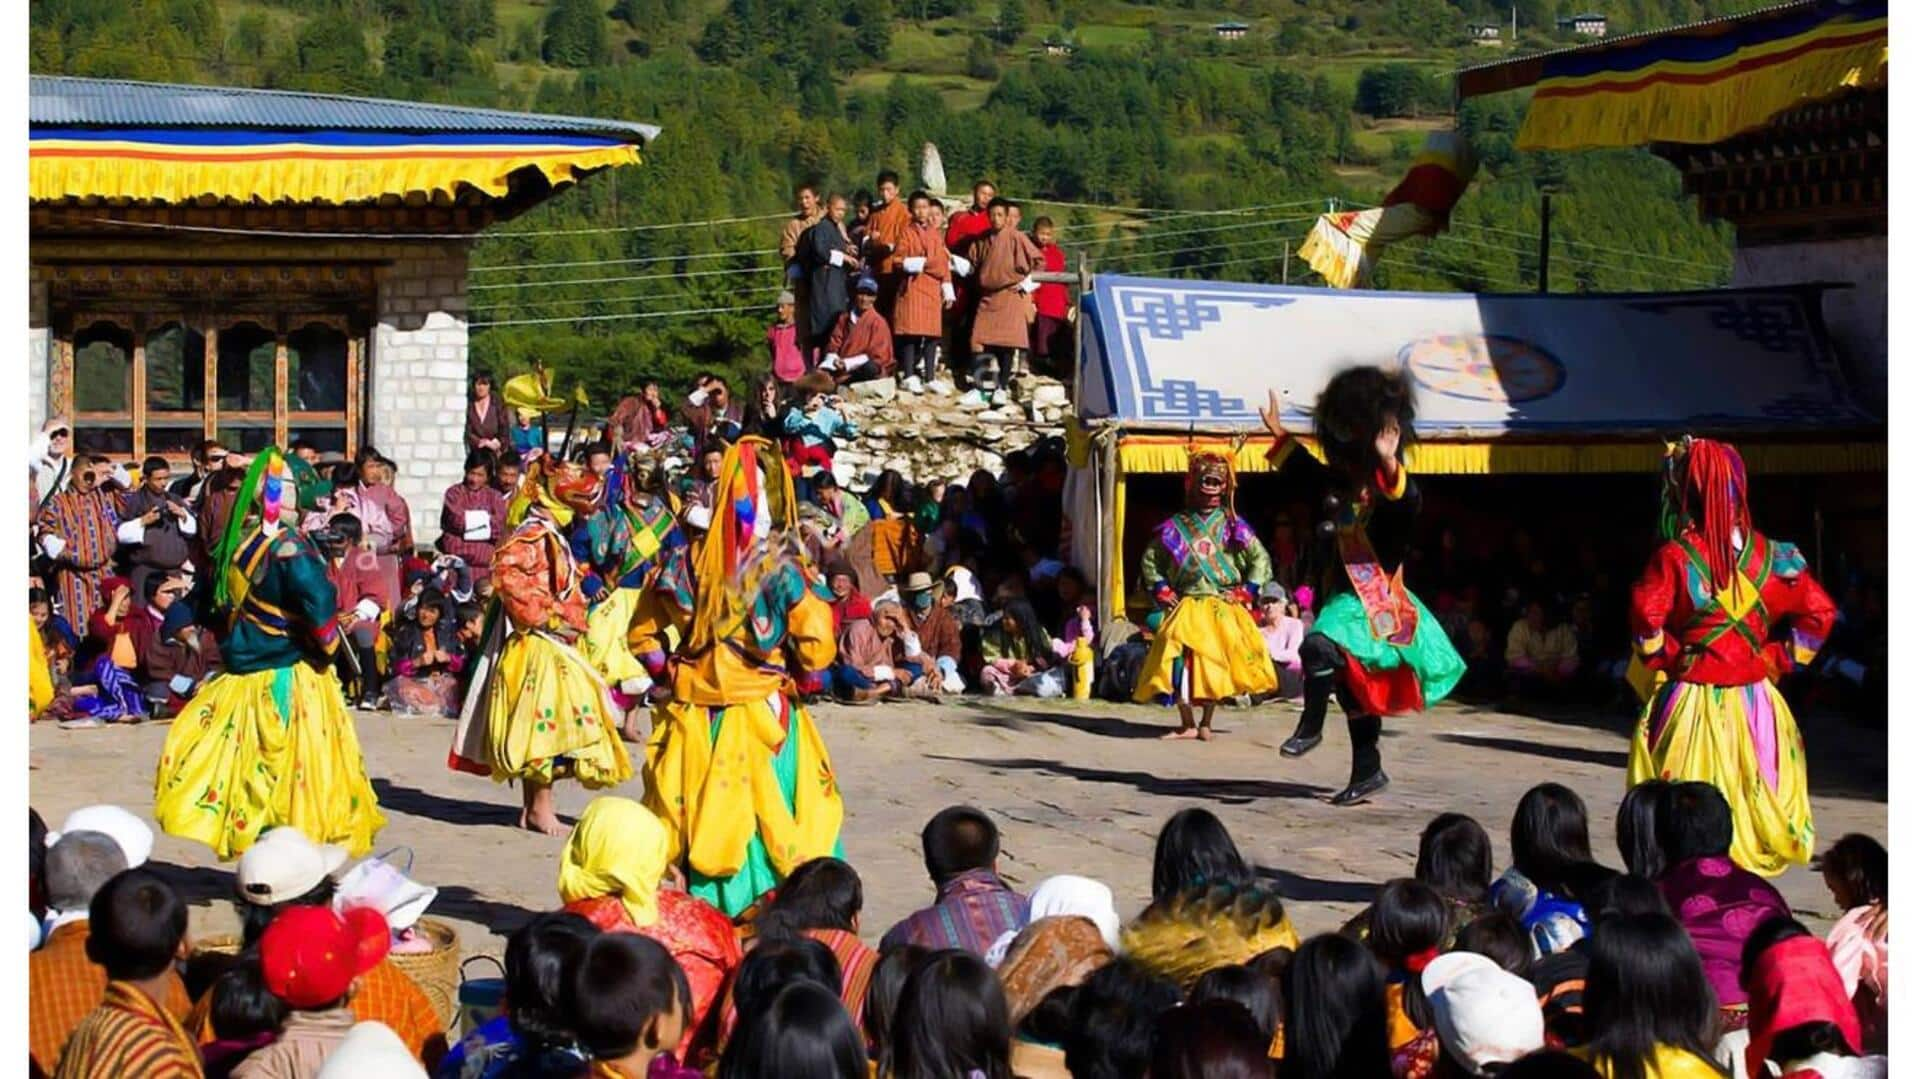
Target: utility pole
1286 262
1546 234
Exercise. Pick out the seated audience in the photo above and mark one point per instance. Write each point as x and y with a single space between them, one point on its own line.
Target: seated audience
1717 902
972 905
138 931
1855 869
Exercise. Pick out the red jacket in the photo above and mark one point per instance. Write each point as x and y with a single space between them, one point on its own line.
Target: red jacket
1050 301
1680 627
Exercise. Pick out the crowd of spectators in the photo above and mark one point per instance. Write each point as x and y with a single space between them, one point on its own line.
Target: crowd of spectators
1678 965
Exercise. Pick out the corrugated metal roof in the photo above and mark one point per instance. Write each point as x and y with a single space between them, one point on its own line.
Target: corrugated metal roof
66 101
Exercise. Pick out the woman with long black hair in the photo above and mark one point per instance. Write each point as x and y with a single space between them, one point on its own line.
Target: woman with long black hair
1647 1002
803 1032
1193 849
1336 1013
952 1022
1553 868
1637 829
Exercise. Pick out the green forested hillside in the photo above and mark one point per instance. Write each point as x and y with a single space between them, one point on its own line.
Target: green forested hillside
1140 137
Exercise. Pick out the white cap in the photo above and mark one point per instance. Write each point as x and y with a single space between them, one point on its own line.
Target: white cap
284 864
699 517
1482 1014
371 1051
134 835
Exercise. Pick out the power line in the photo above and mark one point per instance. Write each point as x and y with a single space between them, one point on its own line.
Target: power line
643 277
1695 263
578 302
508 235
610 318
753 252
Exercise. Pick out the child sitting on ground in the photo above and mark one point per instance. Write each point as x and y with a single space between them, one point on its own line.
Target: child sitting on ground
1019 657
427 658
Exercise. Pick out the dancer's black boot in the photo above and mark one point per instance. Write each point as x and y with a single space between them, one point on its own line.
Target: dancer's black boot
1320 658
1367 778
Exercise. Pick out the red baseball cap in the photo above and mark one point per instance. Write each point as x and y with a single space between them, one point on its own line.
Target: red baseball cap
310 956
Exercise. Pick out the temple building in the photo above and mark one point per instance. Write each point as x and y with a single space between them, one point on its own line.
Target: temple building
260 266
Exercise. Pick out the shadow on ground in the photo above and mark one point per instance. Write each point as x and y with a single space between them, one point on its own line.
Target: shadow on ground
1106 725
1314 890
1224 791
418 803
463 903
1610 758
200 885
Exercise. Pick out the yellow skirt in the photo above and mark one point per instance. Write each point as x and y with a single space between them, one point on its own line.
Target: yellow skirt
605 642
254 751
714 778
547 703
1743 740
1220 650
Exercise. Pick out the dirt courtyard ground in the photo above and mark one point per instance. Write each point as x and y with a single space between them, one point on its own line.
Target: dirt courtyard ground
1076 787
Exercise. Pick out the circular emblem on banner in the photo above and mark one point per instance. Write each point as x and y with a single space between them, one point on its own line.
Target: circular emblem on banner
1483 367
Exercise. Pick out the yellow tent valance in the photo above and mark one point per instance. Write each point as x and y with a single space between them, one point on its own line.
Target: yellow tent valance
334 167
1169 453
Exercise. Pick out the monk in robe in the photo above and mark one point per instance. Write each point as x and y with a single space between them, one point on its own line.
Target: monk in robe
1004 269
923 293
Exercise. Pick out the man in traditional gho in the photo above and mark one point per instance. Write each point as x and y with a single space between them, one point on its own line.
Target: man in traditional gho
735 767
1373 641
269 741
537 711
1703 617
1205 564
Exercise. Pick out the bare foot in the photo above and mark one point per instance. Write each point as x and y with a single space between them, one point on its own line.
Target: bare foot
1205 734
630 732
544 823
1184 734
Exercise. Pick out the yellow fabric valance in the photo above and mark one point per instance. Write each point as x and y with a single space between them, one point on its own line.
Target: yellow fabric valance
1169 454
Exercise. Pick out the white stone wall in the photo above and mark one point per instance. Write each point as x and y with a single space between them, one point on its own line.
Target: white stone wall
39 360
1856 317
417 378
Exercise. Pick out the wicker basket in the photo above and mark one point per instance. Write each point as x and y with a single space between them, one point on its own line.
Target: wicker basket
437 972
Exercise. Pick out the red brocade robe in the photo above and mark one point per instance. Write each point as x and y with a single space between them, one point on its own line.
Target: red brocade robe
1682 628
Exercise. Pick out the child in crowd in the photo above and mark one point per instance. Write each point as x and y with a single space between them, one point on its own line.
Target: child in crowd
1018 655
783 342
625 1004
1855 869
137 931
245 1016
427 658
312 960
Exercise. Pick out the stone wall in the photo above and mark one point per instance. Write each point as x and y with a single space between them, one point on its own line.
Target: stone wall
39 360
1856 317
417 376
942 434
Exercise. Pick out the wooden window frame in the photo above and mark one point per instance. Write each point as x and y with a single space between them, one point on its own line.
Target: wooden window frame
209 321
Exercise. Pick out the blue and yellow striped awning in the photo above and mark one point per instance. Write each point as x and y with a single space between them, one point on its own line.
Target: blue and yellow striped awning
338 166
1707 83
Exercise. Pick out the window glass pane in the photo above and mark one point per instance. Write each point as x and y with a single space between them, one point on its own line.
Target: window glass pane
246 436
176 369
245 379
103 369
111 439
173 438
317 369
326 439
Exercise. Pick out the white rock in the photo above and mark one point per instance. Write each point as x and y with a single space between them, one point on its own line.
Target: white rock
878 389
1049 395
880 432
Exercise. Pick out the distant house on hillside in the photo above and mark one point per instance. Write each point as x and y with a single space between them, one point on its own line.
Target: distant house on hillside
1590 24
1230 31
1057 47
1484 33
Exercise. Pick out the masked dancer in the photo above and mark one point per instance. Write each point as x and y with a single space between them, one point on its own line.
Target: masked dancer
1373 642
1703 617
1205 564
537 710
735 767
268 741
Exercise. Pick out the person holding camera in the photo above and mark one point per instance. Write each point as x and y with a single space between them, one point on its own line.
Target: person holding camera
156 528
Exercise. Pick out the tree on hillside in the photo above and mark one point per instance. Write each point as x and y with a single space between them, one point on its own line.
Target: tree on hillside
980 63
1398 90
332 57
873 28
1012 21
576 34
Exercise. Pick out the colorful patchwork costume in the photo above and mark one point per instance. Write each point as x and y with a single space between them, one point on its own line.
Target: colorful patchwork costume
1373 641
1703 617
269 741
735 767
1205 564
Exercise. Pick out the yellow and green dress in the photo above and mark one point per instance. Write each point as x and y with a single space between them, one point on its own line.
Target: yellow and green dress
1209 647
269 741
735 766
538 710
